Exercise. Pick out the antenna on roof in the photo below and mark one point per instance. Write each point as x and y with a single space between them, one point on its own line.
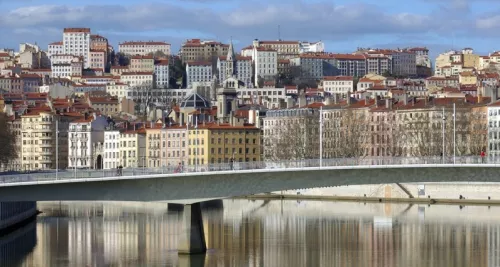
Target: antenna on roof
279 33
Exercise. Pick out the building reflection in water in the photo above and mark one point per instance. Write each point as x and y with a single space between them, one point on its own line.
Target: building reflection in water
17 245
258 233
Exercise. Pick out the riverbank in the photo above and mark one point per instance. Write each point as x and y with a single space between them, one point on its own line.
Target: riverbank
434 201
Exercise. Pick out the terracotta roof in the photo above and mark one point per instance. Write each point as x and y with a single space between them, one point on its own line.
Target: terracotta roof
279 42
163 62
143 43
83 120
199 63
338 78
97 36
137 73
56 43
142 57
3 54
76 30
119 67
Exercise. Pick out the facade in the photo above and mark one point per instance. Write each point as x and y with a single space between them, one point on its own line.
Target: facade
83 135
137 79
144 48
153 147
162 75
38 139
133 148
198 72
404 63
266 64
111 149
76 42
97 60
220 143
99 43
55 48
314 47
117 89
118 70
142 64
379 65
284 49
421 56
174 146
197 50
341 85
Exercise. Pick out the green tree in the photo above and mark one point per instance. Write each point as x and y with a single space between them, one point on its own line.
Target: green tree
158 54
122 59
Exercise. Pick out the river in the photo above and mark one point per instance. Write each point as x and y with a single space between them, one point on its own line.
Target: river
258 233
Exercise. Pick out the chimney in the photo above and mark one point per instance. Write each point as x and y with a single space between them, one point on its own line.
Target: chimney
367 99
388 103
336 98
181 119
405 98
479 97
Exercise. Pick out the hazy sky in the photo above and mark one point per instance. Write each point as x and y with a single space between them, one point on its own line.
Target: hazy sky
343 25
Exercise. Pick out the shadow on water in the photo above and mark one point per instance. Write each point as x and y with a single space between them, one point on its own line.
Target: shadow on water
16 245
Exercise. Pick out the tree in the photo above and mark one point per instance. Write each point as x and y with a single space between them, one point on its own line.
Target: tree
346 133
178 78
294 137
158 54
122 59
7 141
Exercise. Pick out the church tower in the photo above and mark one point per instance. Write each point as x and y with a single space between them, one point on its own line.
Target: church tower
231 62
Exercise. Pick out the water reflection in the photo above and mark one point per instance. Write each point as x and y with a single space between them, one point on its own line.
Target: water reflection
16 245
272 233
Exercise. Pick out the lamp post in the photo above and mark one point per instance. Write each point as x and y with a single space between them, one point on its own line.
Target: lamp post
57 149
443 151
321 136
454 133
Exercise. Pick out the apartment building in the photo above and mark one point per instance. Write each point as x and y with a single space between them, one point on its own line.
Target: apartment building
144 48
142 64
83 134
198 72
284 49
133 148
55 48
199 50
243 69
153 146
175 146
220 143
97 59
40 140
266 63
111 148
117 89
162 74
137 79
341 85
118 70
76 42
312 47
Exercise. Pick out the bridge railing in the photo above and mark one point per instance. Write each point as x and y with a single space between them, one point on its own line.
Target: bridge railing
241 166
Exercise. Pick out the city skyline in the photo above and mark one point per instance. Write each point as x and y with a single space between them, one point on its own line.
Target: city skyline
438 24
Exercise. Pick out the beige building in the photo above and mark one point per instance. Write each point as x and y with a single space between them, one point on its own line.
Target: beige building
142 64
153 146
338 85
117 89
38 140
118 70
174 146
285 49
97 60
198 50
137 79
143 48
467 78
133 148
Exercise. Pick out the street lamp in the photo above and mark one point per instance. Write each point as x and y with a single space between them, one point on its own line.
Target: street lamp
444 121
321 136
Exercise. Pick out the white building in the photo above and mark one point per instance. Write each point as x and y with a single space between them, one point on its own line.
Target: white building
97 60
161 74
198 72
55 48
315 47
111 149
338 85
137 79
82 134
266 63
76 41
243 70
494 130
65 65
144 48
117 89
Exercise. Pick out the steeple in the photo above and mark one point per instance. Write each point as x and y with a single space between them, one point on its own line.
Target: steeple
230 61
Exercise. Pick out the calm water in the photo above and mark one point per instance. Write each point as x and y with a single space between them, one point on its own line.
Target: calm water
258 233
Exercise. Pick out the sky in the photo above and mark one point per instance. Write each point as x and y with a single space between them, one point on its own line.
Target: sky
342 25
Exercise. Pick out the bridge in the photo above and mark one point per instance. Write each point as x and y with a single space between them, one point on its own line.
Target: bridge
199 183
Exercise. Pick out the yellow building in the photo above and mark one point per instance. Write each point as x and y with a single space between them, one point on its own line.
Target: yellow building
471 61
133 148
142 64
467 78
219 143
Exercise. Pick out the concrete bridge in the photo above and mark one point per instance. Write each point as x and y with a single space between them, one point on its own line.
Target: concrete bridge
190 188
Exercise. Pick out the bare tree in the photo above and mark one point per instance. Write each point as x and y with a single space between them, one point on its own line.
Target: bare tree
7 141
346 133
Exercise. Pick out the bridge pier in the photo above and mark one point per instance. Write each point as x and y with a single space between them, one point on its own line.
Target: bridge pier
192 238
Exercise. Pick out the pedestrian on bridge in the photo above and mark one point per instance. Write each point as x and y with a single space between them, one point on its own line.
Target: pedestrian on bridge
483 155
